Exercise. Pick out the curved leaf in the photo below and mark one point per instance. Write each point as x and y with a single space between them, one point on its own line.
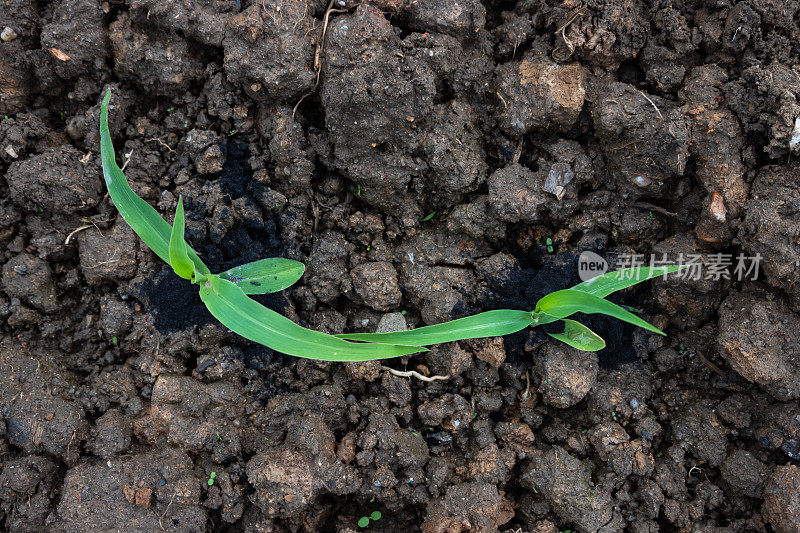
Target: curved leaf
610 282
140 216
563 303
488 324
253 321
579 336
178 254
265 275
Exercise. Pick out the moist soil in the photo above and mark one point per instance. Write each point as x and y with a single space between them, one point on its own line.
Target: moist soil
425 160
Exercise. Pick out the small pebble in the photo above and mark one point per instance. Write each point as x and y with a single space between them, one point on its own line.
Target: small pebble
635 403
8 34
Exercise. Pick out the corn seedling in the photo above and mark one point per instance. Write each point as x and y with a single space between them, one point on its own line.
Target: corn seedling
226 294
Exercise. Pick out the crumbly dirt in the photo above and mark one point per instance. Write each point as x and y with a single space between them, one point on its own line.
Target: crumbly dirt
426 160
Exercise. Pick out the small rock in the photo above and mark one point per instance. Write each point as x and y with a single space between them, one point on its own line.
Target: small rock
59 180
129 493
397 389
538 93
760 337
144 497
516 194
29 278
459 19
770 228
744 473
565 482
516 436
363 370
392 322
115 315
477 506
491 351
204 150
112 434
376 284
109 256
8 34
782 499
91 499
567 374
699 428
492 464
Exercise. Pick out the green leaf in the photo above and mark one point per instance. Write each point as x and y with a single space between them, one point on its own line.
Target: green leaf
488 324
563 303
178 250
602 286
376 515
579 336
255 322
363 521
428 217
140 216
266 275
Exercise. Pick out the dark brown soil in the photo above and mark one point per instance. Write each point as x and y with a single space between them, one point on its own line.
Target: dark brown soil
616 126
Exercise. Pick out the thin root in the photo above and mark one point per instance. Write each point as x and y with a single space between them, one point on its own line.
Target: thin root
320 50
127 160
166 511
162 143
69 237
500 96
414 374
652 104
657 209
562 30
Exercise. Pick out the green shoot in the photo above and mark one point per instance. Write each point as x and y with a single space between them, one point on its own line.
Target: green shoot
265 275
228 304
364 520
178 251
226 294
553 307
140 216
211 478
428 217
488 324
579 336
223 296
566 302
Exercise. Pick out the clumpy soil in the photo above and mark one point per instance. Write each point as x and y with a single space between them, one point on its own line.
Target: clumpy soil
426 160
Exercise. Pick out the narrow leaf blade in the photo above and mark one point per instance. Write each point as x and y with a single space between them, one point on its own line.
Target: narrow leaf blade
265 275
259 324
579 336
178 250
608 283
488 324
566 302
140 216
